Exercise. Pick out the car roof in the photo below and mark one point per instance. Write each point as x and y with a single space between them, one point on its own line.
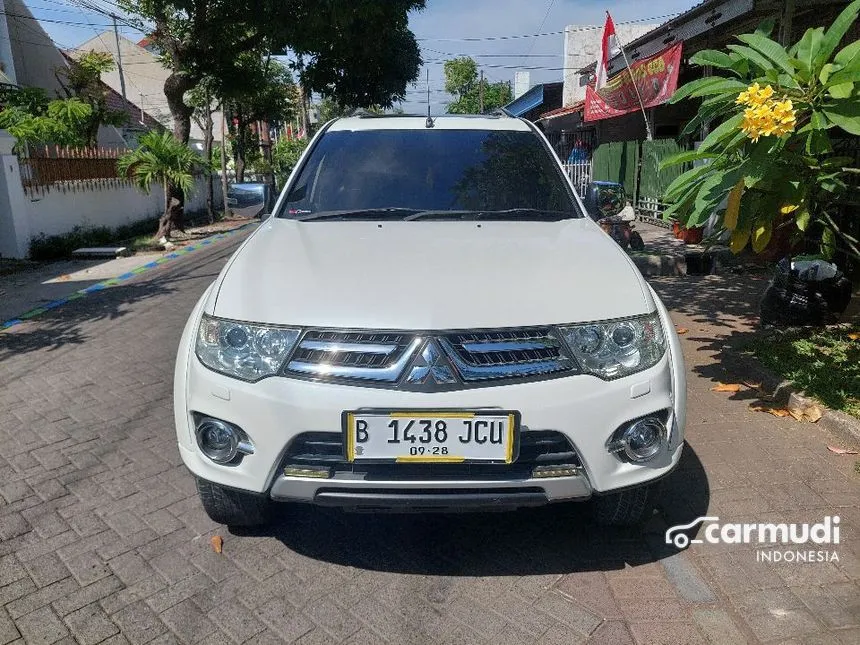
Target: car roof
414 122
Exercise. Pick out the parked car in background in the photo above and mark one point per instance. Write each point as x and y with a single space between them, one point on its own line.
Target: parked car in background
429 321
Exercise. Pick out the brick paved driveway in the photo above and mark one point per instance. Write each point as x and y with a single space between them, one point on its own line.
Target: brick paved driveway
102 538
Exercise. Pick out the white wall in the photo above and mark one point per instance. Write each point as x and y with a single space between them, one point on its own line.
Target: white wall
25 215
58 211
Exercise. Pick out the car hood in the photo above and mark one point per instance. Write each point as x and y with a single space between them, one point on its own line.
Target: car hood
429 275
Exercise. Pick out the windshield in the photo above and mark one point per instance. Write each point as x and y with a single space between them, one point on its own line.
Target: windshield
436 173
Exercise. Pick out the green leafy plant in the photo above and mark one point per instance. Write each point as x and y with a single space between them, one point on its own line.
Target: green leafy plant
32 118
82 80
773 160
162 159
285 156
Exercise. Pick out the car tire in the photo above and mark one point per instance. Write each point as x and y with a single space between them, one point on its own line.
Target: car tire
232 507
636 242
628 507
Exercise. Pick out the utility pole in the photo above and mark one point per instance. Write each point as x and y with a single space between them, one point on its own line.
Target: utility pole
481 92
118 57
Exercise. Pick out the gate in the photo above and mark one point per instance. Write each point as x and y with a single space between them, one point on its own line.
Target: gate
653 182
618 162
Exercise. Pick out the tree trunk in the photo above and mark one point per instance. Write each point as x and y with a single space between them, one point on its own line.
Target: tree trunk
224 188
175 87
266 146
207 155
239 149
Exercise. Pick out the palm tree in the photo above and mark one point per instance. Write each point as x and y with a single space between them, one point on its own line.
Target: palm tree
162 159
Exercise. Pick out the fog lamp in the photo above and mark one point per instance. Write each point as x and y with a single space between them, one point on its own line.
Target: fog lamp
642 440
221 441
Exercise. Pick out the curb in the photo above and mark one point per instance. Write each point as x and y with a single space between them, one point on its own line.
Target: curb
112 282
784 392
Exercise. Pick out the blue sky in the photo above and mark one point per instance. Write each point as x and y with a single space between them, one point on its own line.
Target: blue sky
439 28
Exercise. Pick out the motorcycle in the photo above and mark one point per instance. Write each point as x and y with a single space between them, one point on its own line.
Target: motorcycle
606 203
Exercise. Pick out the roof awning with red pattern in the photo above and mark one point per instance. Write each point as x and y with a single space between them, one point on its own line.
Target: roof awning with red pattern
562 111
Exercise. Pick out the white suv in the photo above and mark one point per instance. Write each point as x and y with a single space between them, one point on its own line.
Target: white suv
427 321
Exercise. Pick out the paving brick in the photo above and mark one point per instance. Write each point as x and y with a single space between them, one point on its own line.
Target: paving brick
837 606
332 619
47 569
8 631
138 623
16 589
568 612
235 620
666 633
717 626
615 632
41 627
90 625
284 620
783 624
187 622
41 597
86 595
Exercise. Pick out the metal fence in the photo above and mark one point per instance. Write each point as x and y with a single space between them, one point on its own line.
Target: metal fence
580 175
45 166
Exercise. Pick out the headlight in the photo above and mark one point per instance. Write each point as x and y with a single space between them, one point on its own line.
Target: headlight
614 349
243 350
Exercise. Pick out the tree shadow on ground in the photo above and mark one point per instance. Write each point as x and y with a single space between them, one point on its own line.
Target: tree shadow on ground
719 300
67 324
558 538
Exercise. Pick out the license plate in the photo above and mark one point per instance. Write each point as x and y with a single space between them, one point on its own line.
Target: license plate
431 436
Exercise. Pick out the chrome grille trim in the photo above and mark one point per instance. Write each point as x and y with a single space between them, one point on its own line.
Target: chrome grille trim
504 354
353 363
328 346
475 358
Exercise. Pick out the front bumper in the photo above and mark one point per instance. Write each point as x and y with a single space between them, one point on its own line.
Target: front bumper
584 409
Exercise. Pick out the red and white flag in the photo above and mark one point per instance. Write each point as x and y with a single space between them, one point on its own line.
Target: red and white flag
608 49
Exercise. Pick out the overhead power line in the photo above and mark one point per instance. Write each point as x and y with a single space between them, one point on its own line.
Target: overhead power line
548 33
51 20
542 22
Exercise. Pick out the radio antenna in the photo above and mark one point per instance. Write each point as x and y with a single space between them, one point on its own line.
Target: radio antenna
429 122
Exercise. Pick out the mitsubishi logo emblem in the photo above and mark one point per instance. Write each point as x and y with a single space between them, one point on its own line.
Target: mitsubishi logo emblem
431 367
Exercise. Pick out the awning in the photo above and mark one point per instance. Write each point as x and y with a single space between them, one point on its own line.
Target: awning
562 111
528 101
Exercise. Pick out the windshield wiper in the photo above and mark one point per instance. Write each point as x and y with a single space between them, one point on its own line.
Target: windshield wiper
361 213
508 214
442 214
525 214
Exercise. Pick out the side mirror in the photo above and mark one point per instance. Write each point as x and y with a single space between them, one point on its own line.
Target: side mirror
249 199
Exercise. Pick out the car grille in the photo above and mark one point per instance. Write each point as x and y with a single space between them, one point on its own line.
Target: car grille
428 361
505 353
536 448
352 355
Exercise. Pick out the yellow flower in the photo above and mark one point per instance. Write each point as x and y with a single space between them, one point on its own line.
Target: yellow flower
765 116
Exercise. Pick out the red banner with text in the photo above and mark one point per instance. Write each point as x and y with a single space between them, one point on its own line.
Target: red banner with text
655 77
